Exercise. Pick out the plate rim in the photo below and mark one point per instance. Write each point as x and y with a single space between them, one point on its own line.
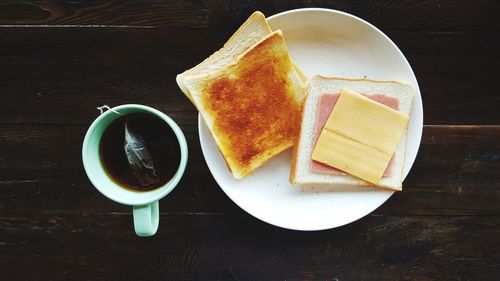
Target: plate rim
388 193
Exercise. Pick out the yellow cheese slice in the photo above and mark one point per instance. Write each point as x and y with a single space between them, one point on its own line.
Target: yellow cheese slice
360 136
350 156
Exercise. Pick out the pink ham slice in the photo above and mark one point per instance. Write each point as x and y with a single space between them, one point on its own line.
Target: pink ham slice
326 104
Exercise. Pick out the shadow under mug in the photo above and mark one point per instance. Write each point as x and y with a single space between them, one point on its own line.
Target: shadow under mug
145 203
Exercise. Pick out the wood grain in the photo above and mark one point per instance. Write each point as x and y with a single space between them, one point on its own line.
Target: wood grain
387 15
52 72
228 247
454 166
456 173
53 150
59 60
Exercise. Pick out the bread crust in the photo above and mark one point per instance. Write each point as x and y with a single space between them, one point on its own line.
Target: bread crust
255 27
296 144
319 76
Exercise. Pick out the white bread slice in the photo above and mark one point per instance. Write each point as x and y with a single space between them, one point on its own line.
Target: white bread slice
253 30
251 106
301 160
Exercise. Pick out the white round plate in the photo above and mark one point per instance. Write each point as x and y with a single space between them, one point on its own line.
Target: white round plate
331 43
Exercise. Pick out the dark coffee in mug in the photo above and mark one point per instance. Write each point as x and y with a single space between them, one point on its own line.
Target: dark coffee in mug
139 151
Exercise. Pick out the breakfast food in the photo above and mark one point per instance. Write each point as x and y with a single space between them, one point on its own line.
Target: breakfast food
349 139
250 98
253 30
348 132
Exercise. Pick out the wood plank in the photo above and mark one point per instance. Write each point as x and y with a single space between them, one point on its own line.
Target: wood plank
235 247
53 151
56 226
75 101
52 72
456 172
73 193
424 14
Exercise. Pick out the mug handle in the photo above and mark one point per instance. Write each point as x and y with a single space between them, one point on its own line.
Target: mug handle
146 219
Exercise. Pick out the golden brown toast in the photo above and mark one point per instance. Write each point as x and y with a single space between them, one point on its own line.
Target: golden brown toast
253 30
251 106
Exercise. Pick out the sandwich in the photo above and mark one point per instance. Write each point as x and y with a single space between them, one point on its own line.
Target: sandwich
249 94
353 133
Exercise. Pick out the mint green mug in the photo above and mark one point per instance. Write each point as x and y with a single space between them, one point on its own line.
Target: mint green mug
145 203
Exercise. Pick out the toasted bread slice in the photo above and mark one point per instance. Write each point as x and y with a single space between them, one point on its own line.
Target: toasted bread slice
253 30
301 160
251 106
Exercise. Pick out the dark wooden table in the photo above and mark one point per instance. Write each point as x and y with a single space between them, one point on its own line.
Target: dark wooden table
59 60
